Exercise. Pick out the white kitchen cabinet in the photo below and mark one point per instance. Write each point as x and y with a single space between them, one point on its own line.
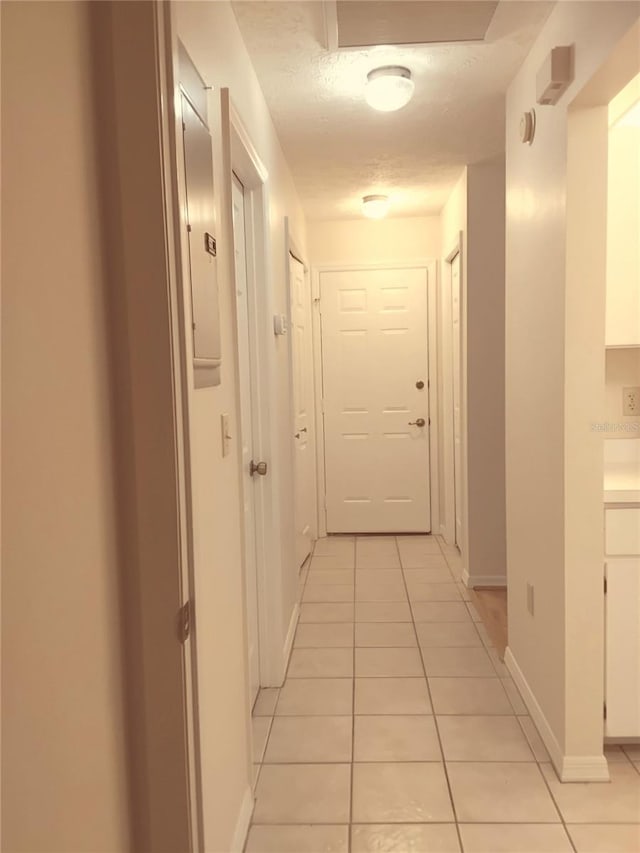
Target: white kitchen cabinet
623 230
622 616
622 622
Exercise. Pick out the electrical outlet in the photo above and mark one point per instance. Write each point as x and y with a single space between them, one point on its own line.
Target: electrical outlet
530 600
631 401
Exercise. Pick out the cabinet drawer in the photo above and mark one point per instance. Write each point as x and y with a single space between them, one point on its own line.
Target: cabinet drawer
622 530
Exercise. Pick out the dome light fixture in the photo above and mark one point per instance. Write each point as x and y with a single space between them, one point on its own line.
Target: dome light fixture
375 206
389 88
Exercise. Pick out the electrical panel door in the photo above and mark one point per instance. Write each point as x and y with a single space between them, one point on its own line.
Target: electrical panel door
198 156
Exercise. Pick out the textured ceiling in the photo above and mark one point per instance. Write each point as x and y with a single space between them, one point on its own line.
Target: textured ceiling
339 149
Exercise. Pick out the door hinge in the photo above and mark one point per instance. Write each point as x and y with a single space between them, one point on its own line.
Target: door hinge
605 586
185 618
604 710
188 228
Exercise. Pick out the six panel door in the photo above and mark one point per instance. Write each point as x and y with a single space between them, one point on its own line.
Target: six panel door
375 358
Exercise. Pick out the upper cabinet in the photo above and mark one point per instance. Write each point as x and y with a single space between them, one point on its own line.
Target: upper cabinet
623 237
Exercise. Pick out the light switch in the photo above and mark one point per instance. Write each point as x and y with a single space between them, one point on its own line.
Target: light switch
226 436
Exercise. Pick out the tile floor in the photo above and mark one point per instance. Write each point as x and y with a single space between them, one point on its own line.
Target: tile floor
399 729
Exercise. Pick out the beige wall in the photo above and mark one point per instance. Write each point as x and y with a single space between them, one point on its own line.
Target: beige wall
538 306
485 295
212 38
622 370
358 241
63 761
476 208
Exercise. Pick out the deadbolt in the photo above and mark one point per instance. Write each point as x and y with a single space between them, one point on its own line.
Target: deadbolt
257 468
419 384
420 422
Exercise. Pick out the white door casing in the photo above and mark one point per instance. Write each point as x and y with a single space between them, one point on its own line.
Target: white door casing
246 431
374 354
303 420
456 341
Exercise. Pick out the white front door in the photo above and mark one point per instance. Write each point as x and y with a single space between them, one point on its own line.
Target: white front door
376 400
302 369
246 431
457 394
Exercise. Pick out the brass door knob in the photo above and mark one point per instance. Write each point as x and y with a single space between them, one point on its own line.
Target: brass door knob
257 468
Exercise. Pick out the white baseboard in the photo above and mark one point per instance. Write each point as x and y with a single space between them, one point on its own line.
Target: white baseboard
570 768
584 768
483 580
243 822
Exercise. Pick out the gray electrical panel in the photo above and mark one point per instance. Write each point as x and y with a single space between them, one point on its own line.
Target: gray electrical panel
200 214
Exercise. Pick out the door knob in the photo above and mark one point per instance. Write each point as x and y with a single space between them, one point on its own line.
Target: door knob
257 468
298 434
419 384
420 422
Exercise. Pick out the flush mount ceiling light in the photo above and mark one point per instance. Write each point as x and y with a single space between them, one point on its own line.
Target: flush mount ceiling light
389 88
375 206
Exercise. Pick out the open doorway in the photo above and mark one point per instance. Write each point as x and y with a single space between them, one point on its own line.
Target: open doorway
602 330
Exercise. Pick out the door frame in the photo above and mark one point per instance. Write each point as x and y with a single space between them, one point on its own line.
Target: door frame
292 247
431 267
155 487
247 393
448 523
240 157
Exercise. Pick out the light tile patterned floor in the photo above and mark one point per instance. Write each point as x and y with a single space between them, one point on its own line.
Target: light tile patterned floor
398 728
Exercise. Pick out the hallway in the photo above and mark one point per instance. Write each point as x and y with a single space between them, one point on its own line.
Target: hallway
398 728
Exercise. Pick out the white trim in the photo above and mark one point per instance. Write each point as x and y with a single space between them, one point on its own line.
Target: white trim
288 643
431 267
483 580
243 822
446 340
321 485
570 768
170 75
585 768
240 155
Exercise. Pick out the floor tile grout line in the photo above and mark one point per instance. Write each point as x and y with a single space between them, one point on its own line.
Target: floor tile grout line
537 762
353 699
435 720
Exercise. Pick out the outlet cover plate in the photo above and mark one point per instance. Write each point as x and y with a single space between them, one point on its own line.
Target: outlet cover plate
631 401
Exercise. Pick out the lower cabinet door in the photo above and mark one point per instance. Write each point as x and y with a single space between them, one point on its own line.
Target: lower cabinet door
622 662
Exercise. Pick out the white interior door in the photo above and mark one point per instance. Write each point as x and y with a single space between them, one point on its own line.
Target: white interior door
376 400
246 431
457 394
302 368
